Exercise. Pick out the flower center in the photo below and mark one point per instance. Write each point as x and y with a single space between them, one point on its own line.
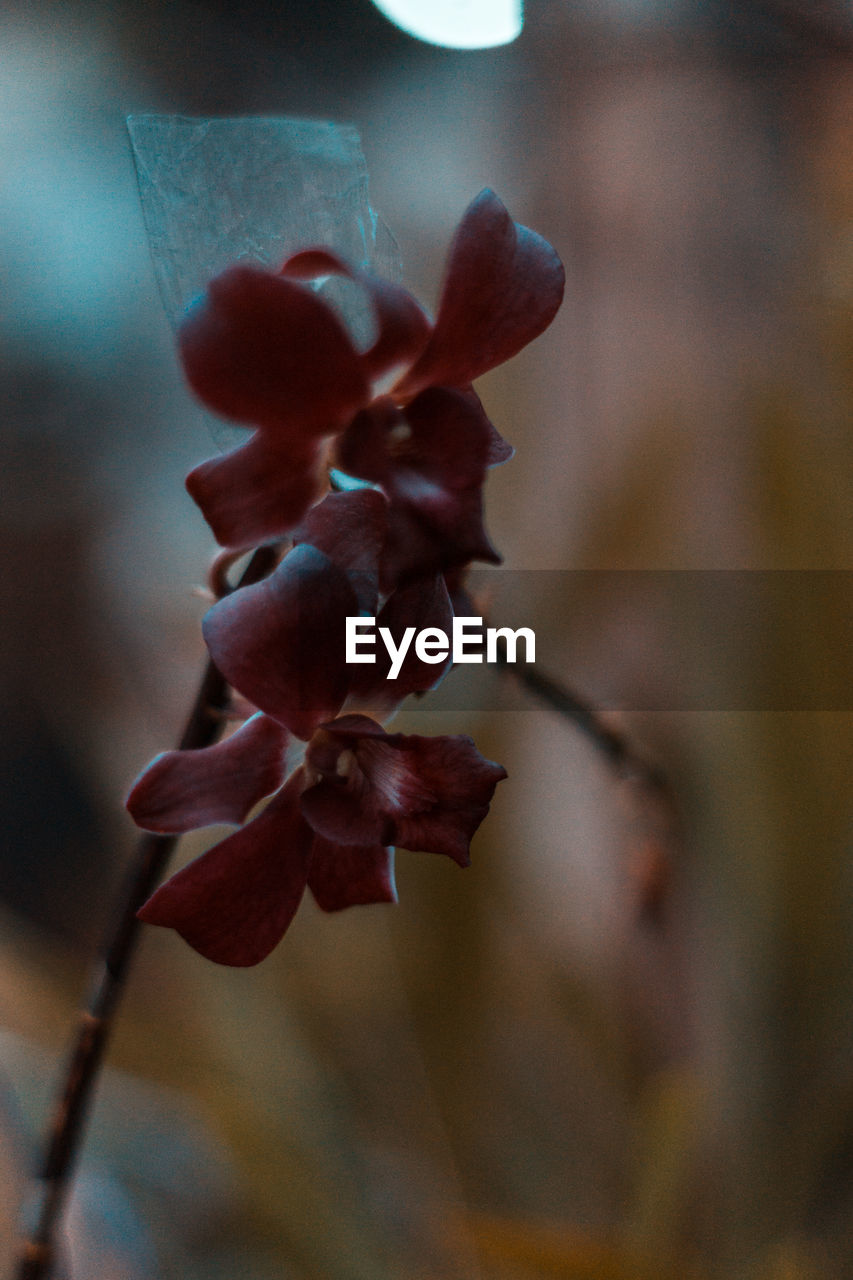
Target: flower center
398 438
345 763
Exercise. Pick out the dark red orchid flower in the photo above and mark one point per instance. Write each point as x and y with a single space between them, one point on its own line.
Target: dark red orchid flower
266 351
331 827
281 644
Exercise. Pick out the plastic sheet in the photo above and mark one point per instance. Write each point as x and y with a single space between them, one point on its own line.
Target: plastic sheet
217 190
256 188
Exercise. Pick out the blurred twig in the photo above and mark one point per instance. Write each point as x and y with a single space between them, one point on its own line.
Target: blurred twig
152 854
615 746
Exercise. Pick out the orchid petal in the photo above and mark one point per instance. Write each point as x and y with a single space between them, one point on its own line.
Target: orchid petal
451 768
421 604
312 264
350 875
350 728
344 816
502 287
281 642
431 460
431 529
183 790
498 449
461 600
267 351
403 326
451 439
427 794
257 492
442 434
365 448
350 529
235 902
341 806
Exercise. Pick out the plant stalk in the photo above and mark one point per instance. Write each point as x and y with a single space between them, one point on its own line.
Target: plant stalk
616 747
39 1248
203 726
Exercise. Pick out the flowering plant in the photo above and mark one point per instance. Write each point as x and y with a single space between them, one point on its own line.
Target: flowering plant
359 493
403 423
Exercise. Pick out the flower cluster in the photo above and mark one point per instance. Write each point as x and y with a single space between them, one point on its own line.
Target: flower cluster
265 350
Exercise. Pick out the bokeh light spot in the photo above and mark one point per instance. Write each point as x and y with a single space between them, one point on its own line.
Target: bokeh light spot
457 24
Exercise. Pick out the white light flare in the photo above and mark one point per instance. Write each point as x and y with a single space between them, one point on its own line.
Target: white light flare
457 24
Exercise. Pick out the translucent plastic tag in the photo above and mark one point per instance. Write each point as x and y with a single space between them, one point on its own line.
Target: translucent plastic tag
215 191
257 188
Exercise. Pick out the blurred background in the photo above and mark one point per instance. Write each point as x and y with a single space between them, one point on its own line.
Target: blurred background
617 1046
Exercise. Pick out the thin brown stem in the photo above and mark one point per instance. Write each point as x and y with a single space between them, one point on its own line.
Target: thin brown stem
152 854
616 747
